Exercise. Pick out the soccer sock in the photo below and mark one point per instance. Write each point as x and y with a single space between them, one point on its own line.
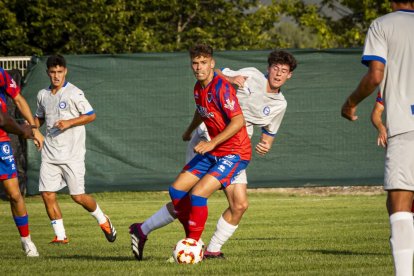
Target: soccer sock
182 206
99 215
198 217
224 231
22 224
59 229
402 242
161 218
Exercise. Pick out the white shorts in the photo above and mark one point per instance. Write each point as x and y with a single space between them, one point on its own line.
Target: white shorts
399 162
201 134
54 177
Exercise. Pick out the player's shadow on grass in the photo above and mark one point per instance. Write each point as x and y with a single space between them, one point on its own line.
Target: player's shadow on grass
94 258
344 252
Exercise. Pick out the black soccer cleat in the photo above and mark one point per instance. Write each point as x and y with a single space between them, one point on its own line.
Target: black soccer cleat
138 240
213 255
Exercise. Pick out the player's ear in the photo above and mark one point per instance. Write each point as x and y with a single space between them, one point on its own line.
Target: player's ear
213 63
289 75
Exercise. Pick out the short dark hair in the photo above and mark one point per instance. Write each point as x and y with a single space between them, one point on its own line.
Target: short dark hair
282 57
201 50
55 60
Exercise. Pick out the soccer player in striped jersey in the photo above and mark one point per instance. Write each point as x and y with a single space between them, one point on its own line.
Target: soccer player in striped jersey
65 110
264 106
8 170
217 161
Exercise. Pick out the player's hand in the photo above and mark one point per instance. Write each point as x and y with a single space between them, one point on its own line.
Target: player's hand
382 138
262 147
186 136
62 124
349 110
38 139
204 147
238 80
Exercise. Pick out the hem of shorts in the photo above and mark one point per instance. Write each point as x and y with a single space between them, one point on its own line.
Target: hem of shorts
400 187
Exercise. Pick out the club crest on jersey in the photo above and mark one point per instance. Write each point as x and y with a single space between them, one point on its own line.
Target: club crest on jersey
5 149
266 110
229 104
62 105
209 96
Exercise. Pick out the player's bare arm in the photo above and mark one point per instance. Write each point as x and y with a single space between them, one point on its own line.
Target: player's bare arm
236 80
24 109
11 126
376 119
193 125
265 144
236 123
79 121
367 85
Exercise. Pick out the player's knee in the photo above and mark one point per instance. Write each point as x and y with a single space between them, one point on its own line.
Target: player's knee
240 207
15 196
78 199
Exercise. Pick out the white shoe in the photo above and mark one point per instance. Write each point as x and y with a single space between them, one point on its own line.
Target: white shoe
30 248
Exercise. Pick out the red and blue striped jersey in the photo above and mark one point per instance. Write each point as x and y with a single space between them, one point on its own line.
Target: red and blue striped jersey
7 87
217 104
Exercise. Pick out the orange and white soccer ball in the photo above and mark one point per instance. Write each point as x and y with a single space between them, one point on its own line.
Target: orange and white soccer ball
188 251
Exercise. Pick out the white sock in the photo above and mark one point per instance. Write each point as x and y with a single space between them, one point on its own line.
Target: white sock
402 242
99 215
25 239
59 229
224 231
161 218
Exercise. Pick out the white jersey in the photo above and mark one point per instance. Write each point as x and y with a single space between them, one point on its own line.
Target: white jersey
260 108
62 147
390 40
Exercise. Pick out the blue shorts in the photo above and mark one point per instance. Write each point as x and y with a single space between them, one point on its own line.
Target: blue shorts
224 168
7 164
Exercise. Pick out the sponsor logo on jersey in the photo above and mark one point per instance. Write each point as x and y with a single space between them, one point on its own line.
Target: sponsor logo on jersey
13 84
204 112
266 110
62 105
229 104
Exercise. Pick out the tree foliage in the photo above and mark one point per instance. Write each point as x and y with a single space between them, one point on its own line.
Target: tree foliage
125 26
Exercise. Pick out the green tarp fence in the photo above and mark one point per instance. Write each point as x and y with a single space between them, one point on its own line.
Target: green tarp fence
144 102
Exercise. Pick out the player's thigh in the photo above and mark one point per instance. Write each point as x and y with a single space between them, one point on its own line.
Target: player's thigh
11 187
399 201
74 176
185 181
50 177
206 186
399 163
237 195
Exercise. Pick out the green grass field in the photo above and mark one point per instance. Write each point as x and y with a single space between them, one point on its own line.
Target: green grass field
280 234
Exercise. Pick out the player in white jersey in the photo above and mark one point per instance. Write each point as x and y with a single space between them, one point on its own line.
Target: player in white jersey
65 110
389 52
264 106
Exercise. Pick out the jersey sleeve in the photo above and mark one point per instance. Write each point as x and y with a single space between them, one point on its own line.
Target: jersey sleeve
40 111
8 85
375 47
82 104
228 100
272 128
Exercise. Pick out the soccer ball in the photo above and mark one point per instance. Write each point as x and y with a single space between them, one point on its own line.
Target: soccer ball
188 251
